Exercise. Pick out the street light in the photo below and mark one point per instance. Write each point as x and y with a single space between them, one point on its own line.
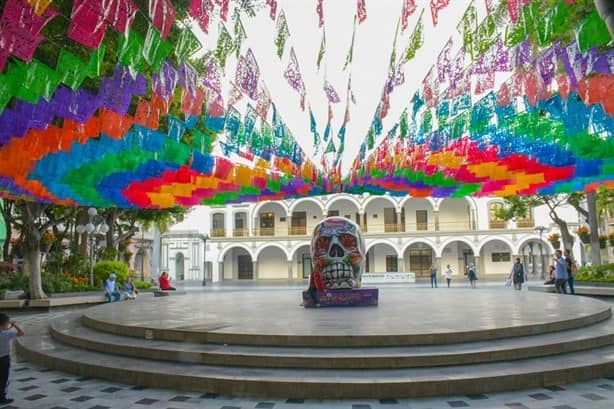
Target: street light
541 229
205 238
95 225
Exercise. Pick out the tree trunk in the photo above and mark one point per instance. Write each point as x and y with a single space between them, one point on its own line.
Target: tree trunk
7 242
591 201
32 259
568 239
111 219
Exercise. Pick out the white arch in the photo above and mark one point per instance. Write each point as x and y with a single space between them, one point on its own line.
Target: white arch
429 199
273 244
489 240
260 205
452 240
384 242
546 246
341 197
470 200
220 258
417 241
296 248
305 200
372 198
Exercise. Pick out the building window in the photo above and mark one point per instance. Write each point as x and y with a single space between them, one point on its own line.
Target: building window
217 225
390 220
501 257
240 229
392 265
332 213
298 223
422 220
495 221
267 224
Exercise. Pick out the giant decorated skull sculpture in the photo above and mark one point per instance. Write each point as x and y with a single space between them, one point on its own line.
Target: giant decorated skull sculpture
338 255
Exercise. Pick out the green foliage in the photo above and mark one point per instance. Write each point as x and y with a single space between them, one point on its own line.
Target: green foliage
107 254
142 285
599 274
14 281
103 269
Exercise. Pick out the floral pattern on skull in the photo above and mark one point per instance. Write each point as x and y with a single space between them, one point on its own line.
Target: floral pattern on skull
338 255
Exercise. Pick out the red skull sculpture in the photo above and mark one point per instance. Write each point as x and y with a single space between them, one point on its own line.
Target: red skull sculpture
338 255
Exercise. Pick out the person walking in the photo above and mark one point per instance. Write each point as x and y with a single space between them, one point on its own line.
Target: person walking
433 276
517 274
9 330
448 273
472 275
571 270
561 276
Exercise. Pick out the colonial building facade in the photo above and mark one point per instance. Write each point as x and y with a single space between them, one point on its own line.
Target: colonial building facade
270 240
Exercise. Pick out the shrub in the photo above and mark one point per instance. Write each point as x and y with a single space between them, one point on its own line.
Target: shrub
105 268
142 285
107 253
603 274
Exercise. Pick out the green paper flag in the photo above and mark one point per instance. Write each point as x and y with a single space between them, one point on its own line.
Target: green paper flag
187 44
416 40
155 49
350 55
240 36
322 49
71 70
330 148
95 64
130 51
282 34
225 44
592 32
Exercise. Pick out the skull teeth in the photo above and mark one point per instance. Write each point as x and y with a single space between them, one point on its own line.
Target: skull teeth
338 275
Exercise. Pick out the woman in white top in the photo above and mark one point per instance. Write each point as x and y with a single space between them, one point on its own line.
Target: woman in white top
448 274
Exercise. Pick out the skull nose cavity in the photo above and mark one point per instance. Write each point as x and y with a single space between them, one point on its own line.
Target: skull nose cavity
336 251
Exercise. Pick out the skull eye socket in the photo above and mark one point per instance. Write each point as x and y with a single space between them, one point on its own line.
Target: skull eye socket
322 243
348 241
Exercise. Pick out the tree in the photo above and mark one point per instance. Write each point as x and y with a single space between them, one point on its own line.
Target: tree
519 206
32 220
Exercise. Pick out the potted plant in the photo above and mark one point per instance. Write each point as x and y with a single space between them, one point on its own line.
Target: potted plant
47 239
603 241
555 240
584 234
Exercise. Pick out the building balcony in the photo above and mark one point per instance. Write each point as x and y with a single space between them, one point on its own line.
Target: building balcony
239 233
525 224
218 232
497 224
297 231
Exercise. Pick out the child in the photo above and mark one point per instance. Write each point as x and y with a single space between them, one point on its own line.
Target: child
8 331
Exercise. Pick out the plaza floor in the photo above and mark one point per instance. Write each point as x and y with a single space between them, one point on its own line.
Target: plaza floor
35 387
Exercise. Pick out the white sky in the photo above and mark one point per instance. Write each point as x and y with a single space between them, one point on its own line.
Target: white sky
373 46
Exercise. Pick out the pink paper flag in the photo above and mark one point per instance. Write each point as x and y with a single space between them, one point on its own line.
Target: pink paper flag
320 11
361 11
409 8
162 14
436 7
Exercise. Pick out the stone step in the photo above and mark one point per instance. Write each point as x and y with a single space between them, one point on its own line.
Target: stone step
318 383
69 330
213 321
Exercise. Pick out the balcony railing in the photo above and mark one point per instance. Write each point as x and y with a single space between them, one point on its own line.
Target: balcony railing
218 233
239 233
391 228
297 230
497 224
523 224
265 231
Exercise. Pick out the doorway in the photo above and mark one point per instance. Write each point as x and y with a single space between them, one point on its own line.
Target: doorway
306 265
245 267
420 261
179 267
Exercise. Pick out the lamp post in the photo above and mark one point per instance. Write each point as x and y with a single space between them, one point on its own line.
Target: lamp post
96 225
205 238
541 229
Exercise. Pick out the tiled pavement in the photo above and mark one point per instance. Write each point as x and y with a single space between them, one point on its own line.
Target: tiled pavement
33 387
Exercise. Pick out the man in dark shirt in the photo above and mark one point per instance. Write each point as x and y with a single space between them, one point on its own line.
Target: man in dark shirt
570 272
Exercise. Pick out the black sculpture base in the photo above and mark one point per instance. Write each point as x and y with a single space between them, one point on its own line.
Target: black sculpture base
357 297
